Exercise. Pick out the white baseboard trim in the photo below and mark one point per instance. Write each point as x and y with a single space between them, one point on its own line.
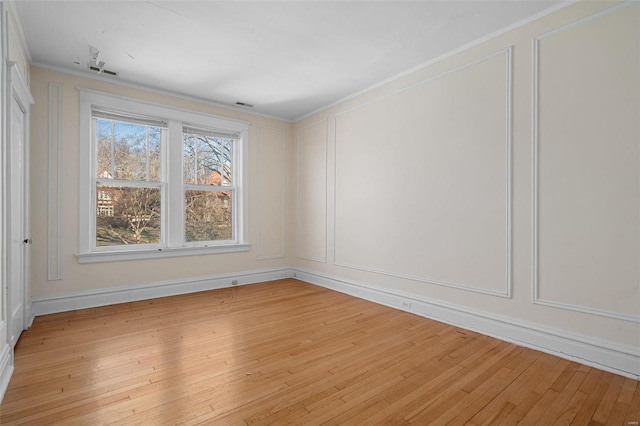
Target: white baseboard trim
601 354
43 305
618 359
28 315
6 369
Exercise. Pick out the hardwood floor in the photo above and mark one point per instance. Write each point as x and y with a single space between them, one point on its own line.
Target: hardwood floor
288 352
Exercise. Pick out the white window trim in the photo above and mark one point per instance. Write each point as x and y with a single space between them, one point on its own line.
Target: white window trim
172 243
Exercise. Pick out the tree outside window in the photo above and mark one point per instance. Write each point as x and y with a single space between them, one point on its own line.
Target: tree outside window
207 169
128 177
159 181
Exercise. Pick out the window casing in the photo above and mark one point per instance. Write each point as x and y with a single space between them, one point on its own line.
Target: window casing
158 181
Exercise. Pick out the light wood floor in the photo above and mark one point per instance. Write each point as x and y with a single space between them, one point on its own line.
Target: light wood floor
287 352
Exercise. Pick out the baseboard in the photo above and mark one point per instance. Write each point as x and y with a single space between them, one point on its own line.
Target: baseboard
92 298
6 369
28 314
603 355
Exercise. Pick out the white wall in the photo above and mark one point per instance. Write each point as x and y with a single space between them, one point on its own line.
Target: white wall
5 367
268 203
273 155
430 191
311 178
422 192
15 41
13 50
432 174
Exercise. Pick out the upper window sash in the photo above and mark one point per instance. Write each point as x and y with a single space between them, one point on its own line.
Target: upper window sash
107 135
208 159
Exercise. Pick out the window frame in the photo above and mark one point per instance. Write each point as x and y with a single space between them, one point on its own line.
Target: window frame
96 181
172 242
233 189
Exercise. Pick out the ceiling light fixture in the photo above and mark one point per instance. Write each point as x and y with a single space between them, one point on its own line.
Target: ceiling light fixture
99 65
95 55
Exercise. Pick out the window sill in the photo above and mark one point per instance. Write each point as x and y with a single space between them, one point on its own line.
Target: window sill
117 256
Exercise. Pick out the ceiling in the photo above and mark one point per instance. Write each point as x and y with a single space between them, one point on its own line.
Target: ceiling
287 58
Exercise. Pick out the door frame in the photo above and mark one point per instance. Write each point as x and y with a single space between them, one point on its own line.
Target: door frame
17 90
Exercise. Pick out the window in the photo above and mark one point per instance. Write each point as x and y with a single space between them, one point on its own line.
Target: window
128 179
208 190
161 181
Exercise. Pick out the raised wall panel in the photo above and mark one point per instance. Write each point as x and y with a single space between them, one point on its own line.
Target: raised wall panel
586 165
424 193
54 194
271 192
311 192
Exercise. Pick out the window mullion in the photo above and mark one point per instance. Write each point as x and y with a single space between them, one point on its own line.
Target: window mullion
174 185
240 173
148 154
113 149
88 222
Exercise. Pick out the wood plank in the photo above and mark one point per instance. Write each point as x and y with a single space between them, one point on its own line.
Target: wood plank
608 400
288 352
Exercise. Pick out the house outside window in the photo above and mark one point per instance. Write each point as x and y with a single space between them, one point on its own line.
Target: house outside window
163 181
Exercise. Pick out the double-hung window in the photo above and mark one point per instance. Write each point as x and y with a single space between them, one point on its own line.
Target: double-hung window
209 194
158 181
128 179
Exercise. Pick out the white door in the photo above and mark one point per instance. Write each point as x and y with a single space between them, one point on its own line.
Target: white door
17 245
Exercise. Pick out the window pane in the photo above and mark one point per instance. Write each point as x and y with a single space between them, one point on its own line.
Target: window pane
127 215
104 140
207 159
128 151
207 215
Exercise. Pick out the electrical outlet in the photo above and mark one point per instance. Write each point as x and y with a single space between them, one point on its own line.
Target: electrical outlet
234 282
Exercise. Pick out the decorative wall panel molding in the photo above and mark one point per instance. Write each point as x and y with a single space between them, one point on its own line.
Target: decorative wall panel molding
311 192
434 166
54 218
585 150
272 192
